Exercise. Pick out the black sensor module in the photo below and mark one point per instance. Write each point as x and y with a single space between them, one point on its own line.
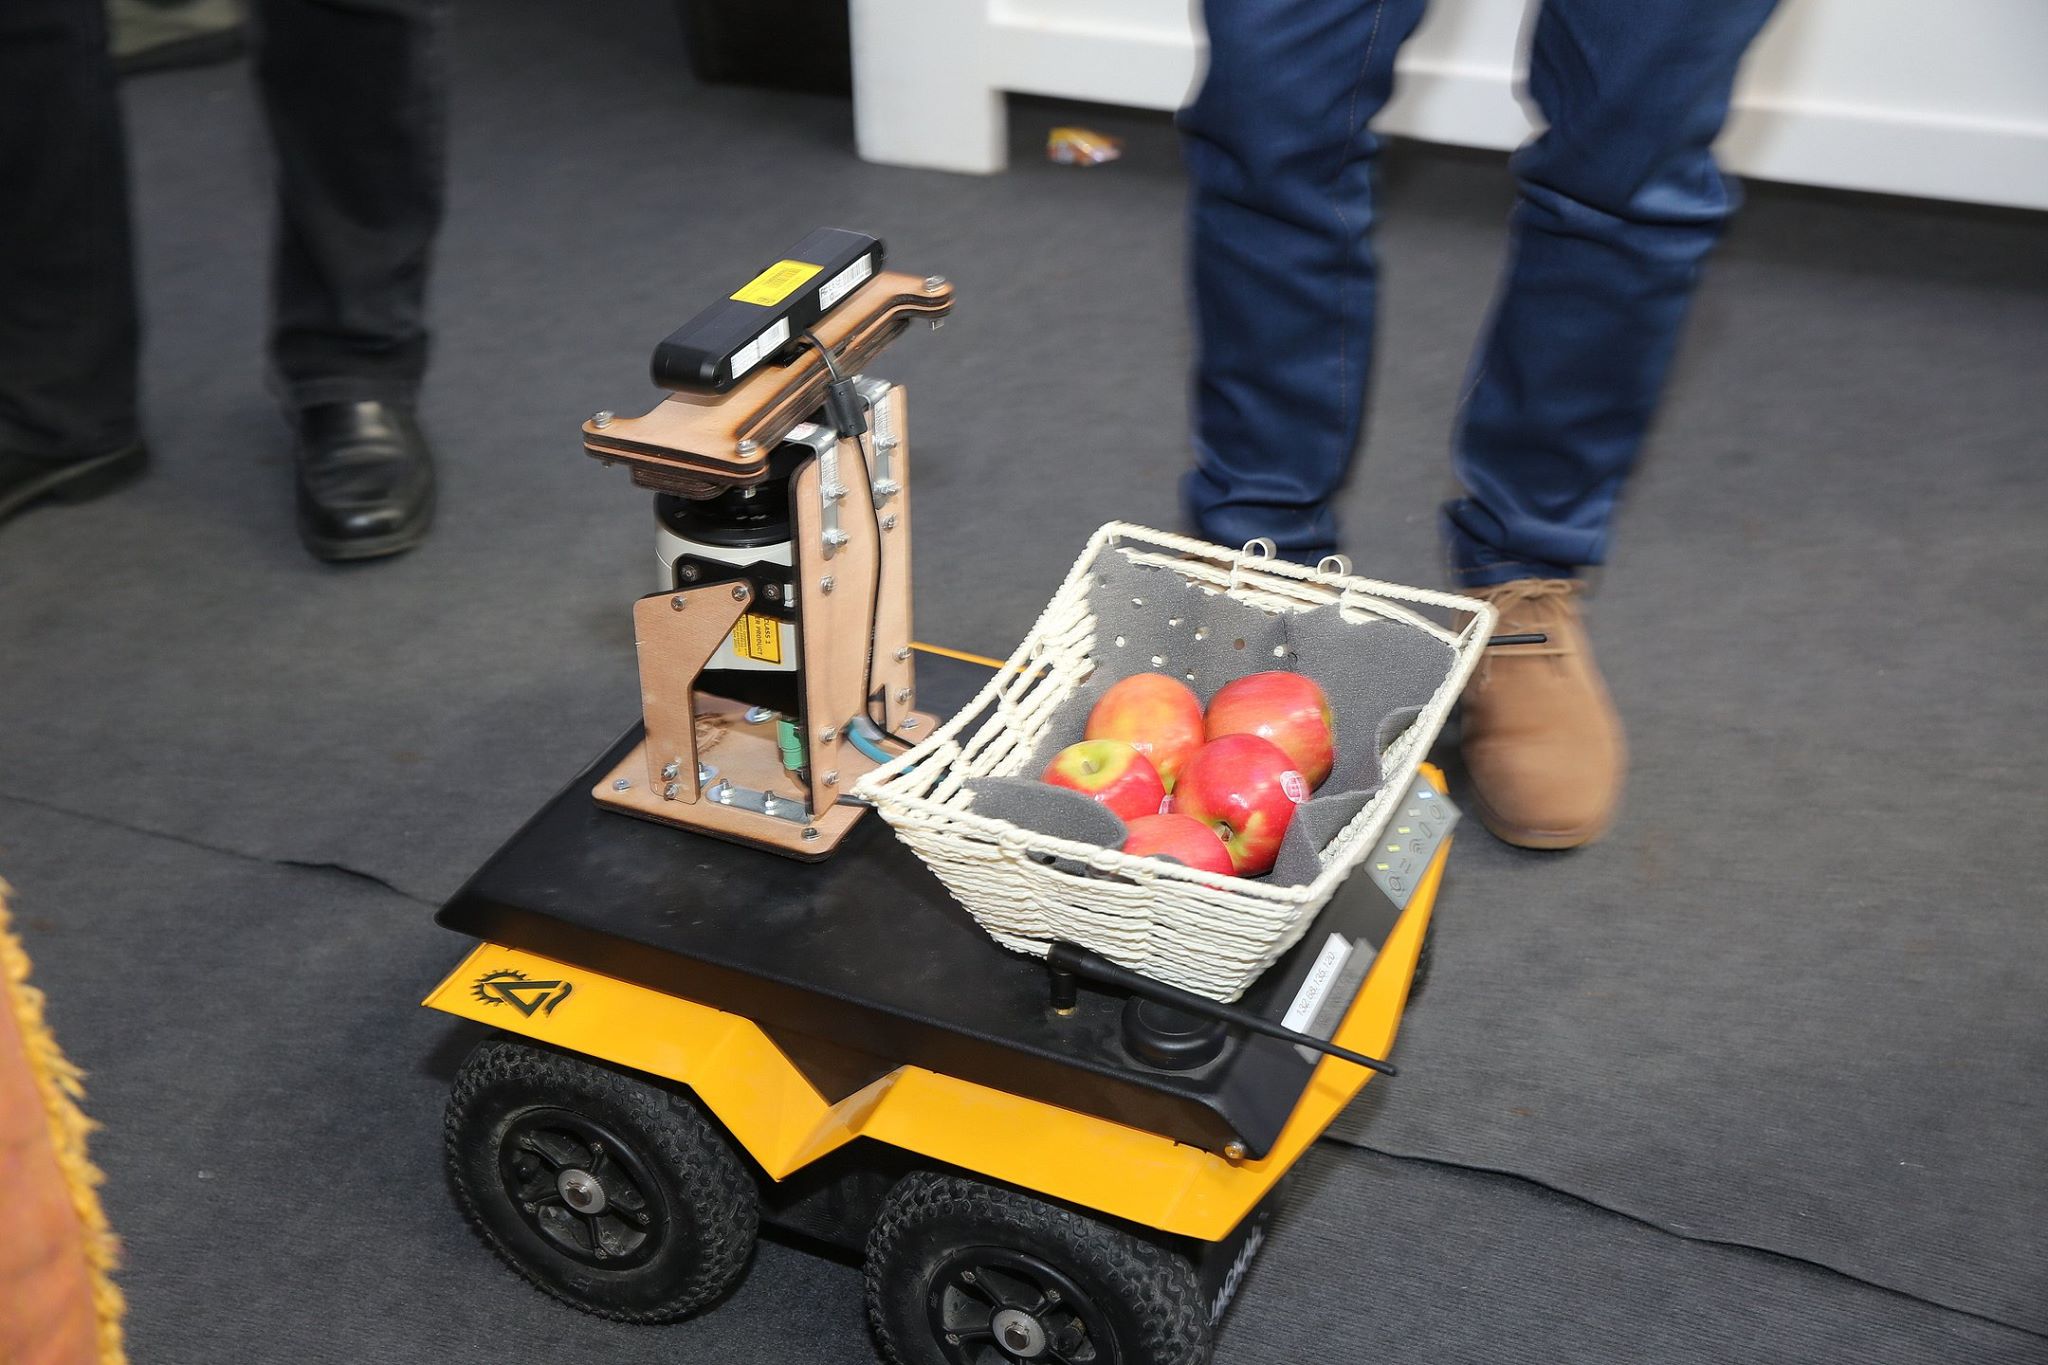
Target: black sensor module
735 336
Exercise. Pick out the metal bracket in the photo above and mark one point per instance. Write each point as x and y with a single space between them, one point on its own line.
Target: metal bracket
760 802
882 481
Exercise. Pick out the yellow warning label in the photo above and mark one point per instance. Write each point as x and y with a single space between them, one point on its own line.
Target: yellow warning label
776 283
758 638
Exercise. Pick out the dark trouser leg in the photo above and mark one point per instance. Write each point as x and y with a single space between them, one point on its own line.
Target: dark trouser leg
356 98
1280 211
68 332
1620 203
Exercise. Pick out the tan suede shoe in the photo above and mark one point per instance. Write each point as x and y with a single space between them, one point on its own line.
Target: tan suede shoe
1541 739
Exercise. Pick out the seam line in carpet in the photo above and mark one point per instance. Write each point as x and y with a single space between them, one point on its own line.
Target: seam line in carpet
309 864
1573 1195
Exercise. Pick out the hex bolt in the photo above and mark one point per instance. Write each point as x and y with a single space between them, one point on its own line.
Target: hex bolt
678 602
1052 1296
832 778
825 584
903 694
669 792
670 771
828 734
601 419
739 592
889 523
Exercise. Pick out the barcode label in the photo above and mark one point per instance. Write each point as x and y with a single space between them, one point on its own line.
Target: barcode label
761 347
845 282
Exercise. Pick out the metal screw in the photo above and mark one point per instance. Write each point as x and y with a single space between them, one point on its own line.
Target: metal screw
622 785
828 734
772 591
531 1208
690 573
601 419
739 592
748 446
902 654
903 694
678 602
836 538
825 584
1052 1296
1233 1151
669 792
832 778
909 723
671 770
809 833
889 523
952 1338
966 1276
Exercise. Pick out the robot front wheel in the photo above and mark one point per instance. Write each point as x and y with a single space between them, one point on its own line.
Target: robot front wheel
611 1194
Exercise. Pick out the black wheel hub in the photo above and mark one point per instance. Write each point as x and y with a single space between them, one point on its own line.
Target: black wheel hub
582 1189
992 1306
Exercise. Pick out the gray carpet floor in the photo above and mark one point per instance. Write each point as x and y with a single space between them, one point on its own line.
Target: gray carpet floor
1761 1073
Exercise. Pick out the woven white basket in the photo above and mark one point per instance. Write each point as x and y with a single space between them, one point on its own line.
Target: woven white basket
1205 934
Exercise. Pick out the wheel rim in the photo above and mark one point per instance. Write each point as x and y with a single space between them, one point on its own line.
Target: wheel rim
992 1306
582 1189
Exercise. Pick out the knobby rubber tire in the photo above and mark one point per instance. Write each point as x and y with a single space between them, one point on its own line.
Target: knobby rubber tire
1148 1293
710 1201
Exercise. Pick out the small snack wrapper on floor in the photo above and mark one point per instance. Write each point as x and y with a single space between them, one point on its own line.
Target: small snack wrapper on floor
1071 146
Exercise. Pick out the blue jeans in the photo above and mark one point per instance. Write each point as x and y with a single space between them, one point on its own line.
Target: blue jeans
1619 203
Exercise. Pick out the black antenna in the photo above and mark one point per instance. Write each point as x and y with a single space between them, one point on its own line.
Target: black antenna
1070 960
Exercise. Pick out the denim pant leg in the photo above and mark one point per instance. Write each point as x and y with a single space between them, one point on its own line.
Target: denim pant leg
355 91
1279 158
1620 201
69 336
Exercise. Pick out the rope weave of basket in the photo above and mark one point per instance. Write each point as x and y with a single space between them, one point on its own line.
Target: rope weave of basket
1206 934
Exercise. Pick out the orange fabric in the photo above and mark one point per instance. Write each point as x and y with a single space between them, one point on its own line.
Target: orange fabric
46 1283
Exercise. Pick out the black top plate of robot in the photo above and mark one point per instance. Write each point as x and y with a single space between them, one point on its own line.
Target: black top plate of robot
864 962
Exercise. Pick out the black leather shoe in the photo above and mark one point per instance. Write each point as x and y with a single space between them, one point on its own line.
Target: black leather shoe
26 480
366 480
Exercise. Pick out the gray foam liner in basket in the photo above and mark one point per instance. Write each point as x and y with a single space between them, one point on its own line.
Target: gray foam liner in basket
1378 675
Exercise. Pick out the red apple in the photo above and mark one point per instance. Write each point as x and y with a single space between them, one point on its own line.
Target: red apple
1286 708
1182 838
1112 772
1245 789
1160 717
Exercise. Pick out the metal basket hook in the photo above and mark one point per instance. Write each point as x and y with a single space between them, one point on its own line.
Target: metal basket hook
1259 547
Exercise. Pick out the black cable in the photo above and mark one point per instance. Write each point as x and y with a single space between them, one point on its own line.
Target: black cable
843 405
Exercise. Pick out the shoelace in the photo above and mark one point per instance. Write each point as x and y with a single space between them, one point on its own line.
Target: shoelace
1535 595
